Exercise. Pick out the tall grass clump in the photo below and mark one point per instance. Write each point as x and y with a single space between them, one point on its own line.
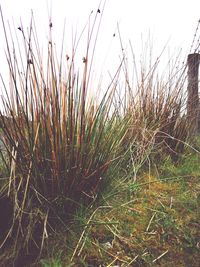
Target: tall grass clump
155 105
59 141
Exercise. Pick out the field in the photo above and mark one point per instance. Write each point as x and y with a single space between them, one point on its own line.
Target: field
95 176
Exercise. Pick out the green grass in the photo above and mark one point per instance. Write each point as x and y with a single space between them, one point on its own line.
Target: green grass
157 226
53 263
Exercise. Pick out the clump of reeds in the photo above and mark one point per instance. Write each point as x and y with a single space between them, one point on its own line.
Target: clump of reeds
156 108
59 142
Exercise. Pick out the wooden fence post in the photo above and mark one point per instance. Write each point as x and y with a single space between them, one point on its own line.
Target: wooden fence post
193 95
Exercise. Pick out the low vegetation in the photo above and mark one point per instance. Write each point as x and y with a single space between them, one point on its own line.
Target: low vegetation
151 222
89 180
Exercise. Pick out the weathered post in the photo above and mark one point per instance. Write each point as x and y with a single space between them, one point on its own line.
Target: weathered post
193 95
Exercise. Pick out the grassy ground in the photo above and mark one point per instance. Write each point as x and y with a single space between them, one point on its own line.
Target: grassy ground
154 222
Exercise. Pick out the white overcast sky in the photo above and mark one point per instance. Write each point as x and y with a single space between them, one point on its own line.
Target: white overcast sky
166 20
